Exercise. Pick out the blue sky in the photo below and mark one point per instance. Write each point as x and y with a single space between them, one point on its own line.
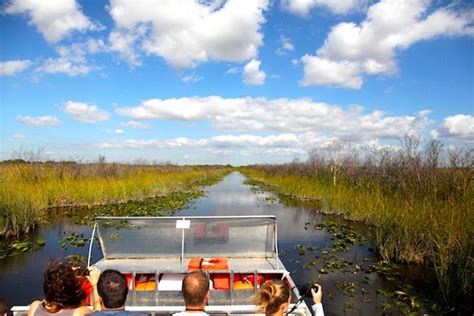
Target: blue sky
233 81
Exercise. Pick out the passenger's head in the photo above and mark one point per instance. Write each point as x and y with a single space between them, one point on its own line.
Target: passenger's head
3 307
195 288
61 287
112 289
273 298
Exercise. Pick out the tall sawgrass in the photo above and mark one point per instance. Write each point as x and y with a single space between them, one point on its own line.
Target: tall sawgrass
420 198
28 189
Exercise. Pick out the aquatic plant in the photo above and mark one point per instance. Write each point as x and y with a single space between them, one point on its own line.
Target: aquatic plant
158 206
16 247
76 260
73 239
352 274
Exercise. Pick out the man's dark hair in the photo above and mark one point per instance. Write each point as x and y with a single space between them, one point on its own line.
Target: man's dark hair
3 306
112 288
61 286
195 287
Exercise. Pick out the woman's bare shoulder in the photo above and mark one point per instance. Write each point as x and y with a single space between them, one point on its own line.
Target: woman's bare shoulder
33 306
83 310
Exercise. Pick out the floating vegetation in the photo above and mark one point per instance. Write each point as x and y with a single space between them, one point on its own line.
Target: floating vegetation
348 288
73 239
21 246
271 199
400 301
301 250
344 236
76 260
334 263
332 257
319 226
18 247
151 207
40 241
306 225
366 299
385 268
348 305
283 252
310 247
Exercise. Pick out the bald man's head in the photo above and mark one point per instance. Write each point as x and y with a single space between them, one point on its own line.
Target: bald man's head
195 288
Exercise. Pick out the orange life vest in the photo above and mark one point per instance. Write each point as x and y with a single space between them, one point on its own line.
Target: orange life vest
208 264
145 282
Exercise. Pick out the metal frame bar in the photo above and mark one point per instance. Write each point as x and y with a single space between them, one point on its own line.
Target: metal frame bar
91 242
188 217
182 245
22 310
276 246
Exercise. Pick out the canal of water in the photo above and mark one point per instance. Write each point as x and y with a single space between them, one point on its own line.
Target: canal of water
313 247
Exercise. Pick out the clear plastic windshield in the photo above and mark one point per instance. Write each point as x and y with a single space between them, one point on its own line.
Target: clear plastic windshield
179 237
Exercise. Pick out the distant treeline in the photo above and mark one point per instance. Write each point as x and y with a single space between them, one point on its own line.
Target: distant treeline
14 161
134 163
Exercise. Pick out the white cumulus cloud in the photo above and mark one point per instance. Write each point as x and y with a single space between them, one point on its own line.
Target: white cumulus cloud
62 65
303 7
351 50
286 46
12 67
281 140
187 33
320 71
85 113
232 71
458 126
252 74
55 19
72 59
287 144
136 124
18 136
39 121
192 78
283 115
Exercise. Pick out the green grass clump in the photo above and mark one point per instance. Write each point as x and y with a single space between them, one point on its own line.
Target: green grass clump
27 190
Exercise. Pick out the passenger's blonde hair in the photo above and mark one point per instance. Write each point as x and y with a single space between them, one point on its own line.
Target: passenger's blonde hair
271 296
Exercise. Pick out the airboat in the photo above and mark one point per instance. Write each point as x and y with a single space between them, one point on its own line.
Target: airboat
239 253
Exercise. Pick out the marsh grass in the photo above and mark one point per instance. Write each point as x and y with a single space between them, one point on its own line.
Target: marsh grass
29 189
419 197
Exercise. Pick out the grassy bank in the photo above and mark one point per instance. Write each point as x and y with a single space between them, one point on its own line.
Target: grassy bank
422 209
29 189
